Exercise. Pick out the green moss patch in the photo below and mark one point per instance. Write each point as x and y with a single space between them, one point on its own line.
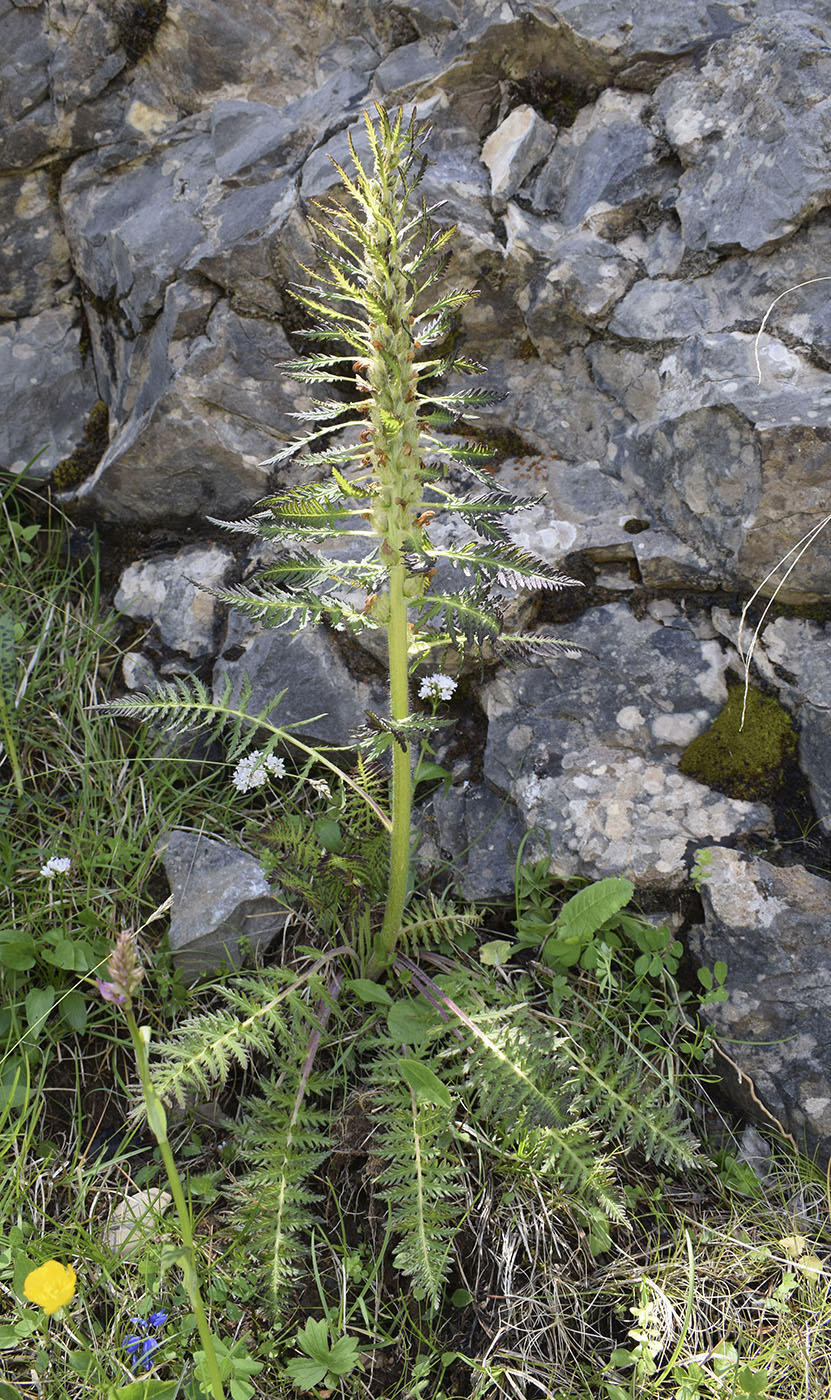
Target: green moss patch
83 461
747 763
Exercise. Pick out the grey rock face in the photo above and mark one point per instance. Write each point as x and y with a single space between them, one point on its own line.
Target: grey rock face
773 929
795 657
604 163
221 902
309 666
213 397
47 394
34 256
25 111
471 835
588 749
633 186
752 129
171 591
613 813
512 151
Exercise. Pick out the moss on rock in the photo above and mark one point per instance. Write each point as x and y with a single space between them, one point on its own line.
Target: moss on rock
747 763
83 461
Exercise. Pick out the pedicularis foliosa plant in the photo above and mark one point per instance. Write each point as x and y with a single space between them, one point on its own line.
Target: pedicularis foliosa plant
435 1043
385 331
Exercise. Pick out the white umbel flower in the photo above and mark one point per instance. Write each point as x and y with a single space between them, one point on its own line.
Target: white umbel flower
437 687
253 770
56 865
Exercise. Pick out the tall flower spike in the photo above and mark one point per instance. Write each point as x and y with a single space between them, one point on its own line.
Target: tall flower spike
124 969
387 322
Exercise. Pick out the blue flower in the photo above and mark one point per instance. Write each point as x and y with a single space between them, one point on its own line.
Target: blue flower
140 1348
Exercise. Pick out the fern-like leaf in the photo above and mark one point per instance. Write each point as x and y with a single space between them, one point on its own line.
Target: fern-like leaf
465 618
201 1052
300 444
284 1138
422 1180
531 648
511 566
631 1104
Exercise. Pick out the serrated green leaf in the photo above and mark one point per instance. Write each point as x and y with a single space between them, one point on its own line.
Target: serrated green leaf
313 1338
305 1373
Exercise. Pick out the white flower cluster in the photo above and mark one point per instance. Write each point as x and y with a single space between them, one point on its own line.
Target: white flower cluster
253 770
436 687
56 865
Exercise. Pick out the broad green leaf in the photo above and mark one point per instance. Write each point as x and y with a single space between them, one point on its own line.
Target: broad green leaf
10 1335
74 1010
424 1083
305 1373
13 1083
17 949
313 1338
408 1024
144 1390
62 955
368 991
328 833
497 952
588 909
344 1356
39 1003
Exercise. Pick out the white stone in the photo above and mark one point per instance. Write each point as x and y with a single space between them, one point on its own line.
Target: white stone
514 148
135 1220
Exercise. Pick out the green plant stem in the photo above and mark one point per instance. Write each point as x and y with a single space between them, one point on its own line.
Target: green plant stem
157 1120
402 787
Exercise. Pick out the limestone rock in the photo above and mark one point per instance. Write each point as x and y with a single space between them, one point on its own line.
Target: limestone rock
604 165
795 656
588 748
752 129
168 591
34 255
514 148
26 118
138 672
221 902
609 813
309 667
470 835
198 417
585 277
773 929
701 429
47 394
88 50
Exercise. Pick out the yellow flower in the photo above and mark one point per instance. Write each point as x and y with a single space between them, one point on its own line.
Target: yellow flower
50 1286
